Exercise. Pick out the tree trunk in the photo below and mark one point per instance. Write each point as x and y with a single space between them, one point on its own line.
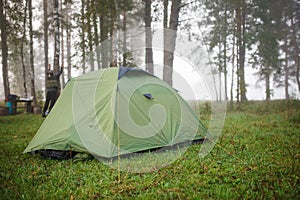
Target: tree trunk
296 52
45 7
220 69
149 53
237 70
267 78
242 53
96 38
215 84
232 70
240 17
165 20
90 37
113 33
171 42
32 75
165 24
68 33
62 45
225 52
83 34
220 86
286 62
165 36
4 48
124 38
22 50
103 34
104 42
57 37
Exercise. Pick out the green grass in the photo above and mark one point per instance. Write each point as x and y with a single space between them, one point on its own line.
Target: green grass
257 157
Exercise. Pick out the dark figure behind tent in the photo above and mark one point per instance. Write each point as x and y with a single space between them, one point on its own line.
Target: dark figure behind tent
52 85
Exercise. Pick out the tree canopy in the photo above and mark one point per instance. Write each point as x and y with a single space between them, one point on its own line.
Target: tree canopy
238 34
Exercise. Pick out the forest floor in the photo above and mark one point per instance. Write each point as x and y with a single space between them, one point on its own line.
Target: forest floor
257 157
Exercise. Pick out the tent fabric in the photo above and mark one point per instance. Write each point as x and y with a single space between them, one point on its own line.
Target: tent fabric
105 113
123 70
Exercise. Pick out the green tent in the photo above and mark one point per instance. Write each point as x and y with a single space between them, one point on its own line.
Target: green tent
116 111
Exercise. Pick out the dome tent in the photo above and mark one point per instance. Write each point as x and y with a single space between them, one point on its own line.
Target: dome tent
116 111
